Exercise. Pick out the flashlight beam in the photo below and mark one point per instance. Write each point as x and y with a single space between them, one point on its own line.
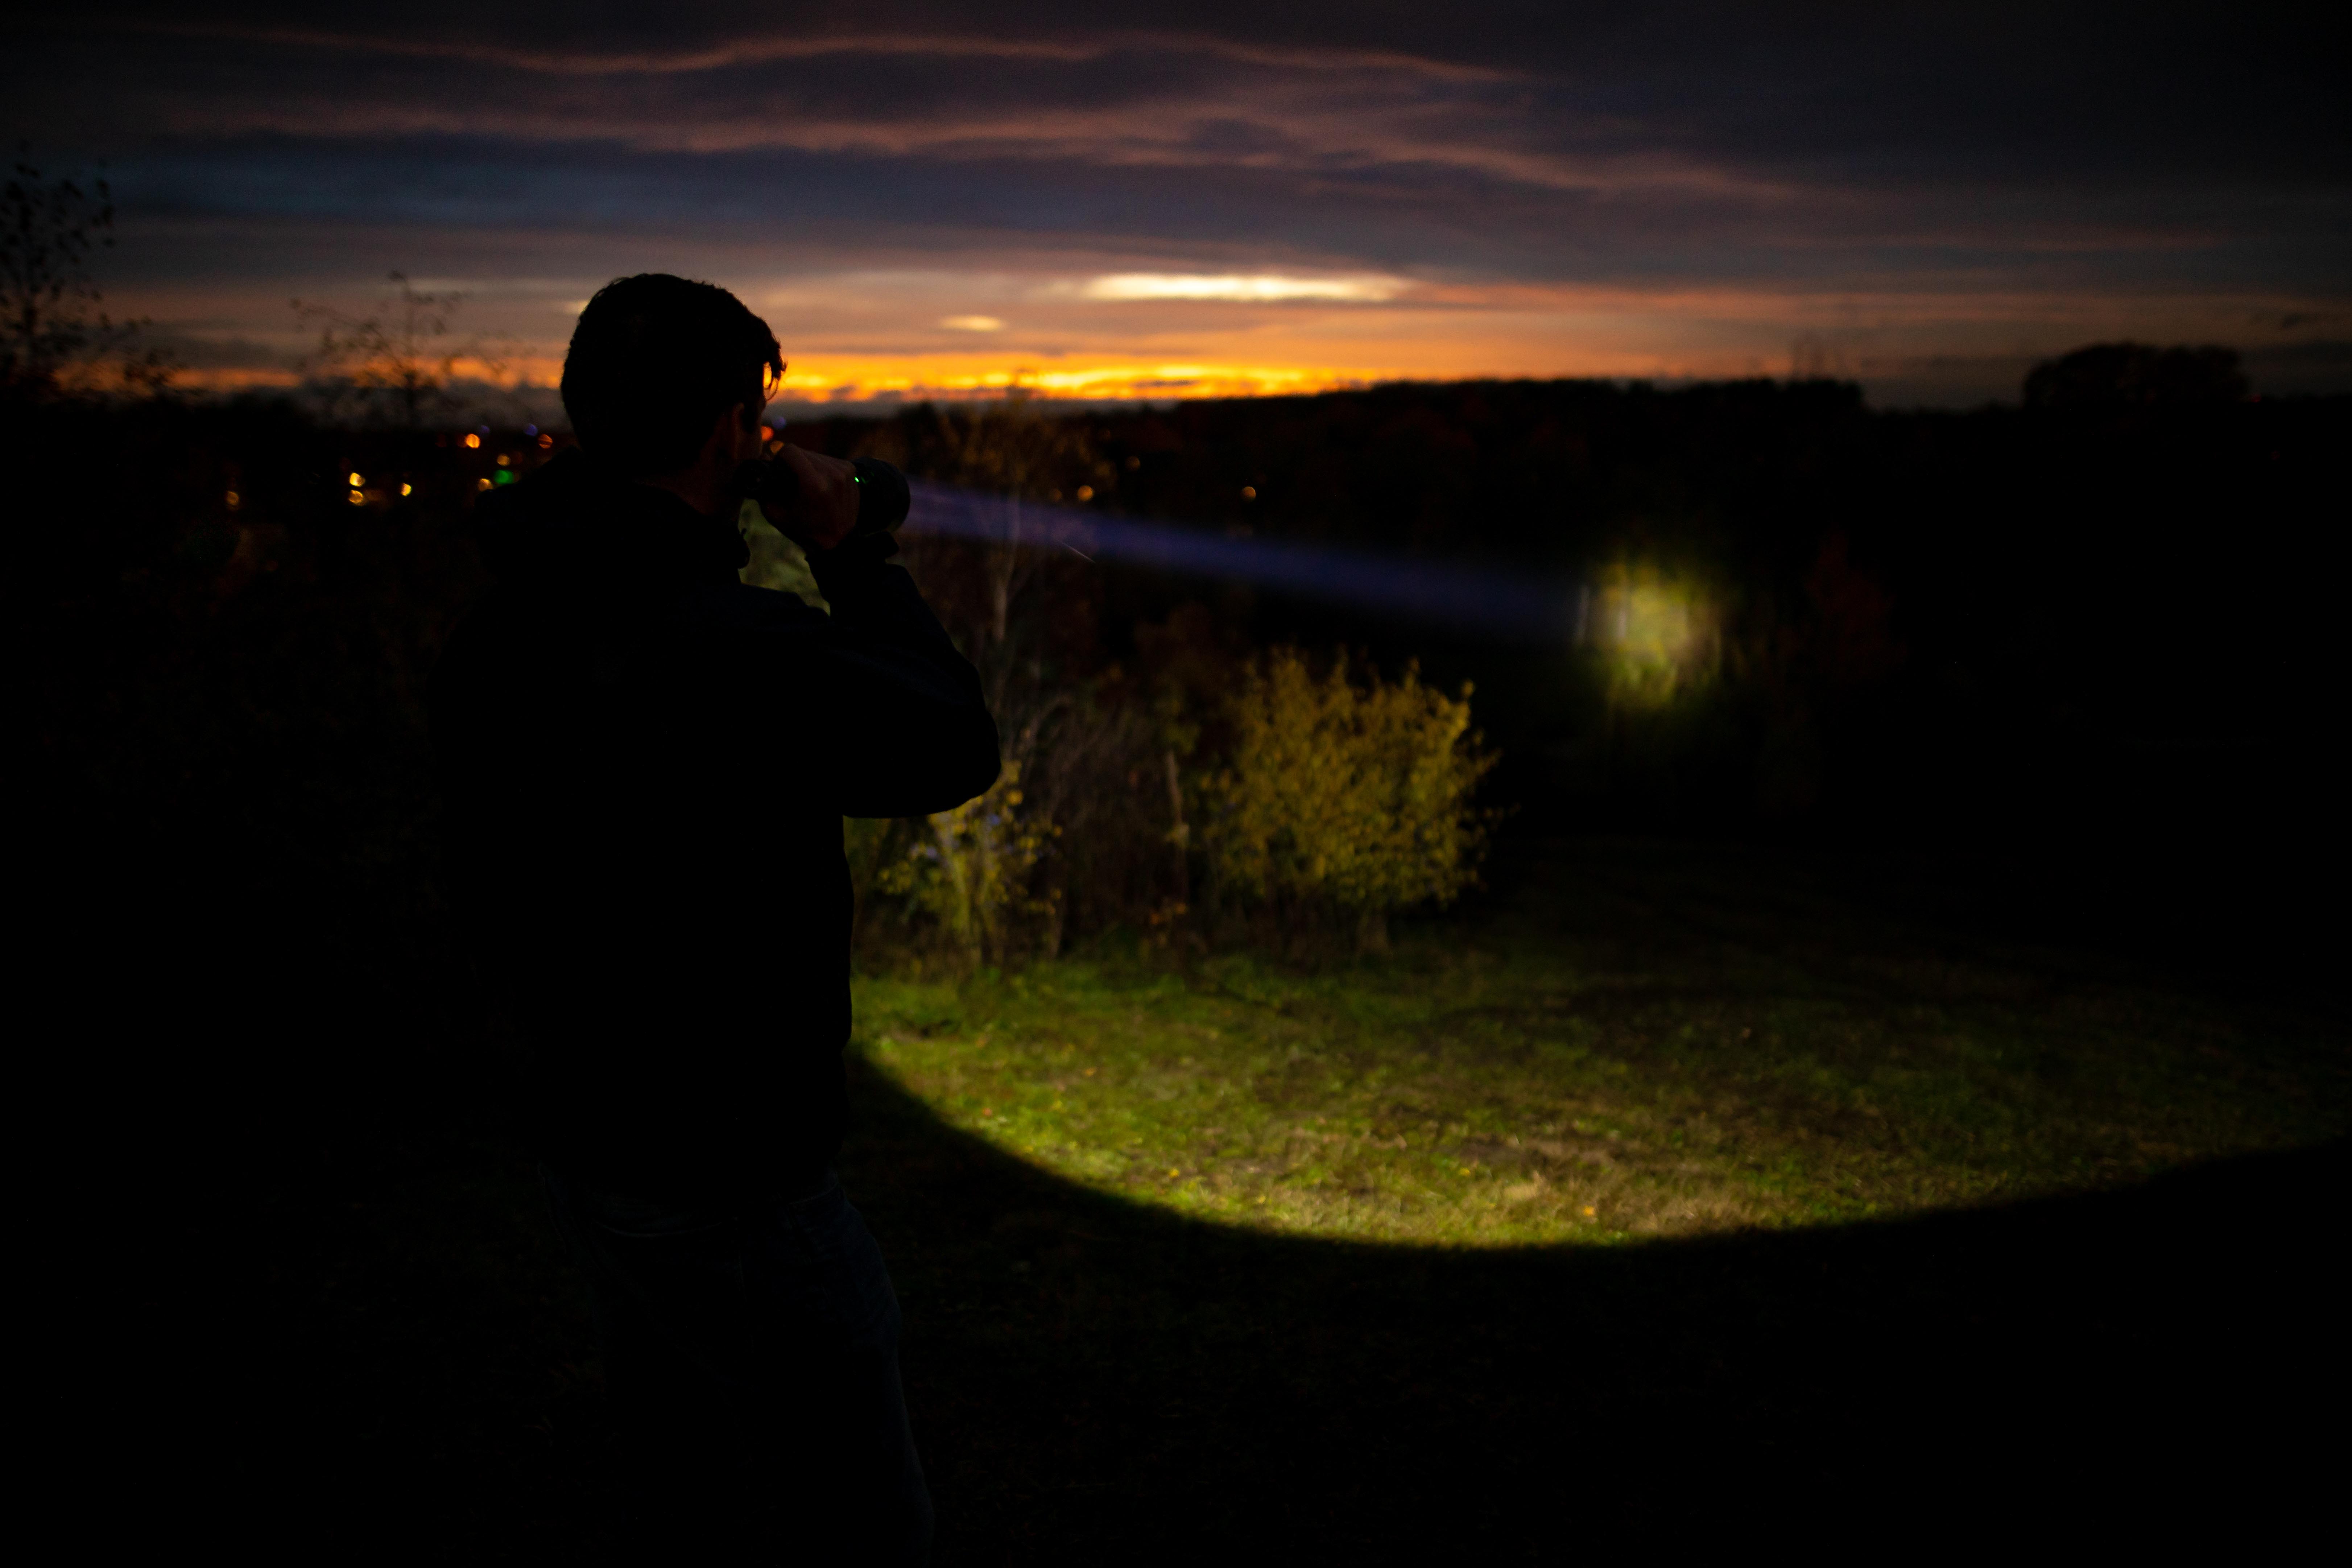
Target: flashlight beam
1512 609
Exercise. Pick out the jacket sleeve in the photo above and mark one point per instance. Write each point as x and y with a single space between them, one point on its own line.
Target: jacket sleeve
908 731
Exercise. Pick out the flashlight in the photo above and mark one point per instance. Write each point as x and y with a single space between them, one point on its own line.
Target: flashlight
882 496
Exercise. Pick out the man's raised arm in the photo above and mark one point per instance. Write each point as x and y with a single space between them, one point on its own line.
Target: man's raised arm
909 731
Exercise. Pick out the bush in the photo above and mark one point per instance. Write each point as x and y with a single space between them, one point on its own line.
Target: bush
967 871
1097 834
1344 797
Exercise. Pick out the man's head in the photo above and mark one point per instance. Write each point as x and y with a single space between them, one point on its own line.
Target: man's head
655 361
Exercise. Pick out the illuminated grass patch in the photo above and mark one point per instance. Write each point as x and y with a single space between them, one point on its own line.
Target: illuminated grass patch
1539 1087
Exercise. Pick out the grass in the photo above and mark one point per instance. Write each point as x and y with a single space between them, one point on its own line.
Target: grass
1583 1064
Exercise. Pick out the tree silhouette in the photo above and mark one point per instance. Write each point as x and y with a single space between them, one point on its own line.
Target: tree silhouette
2136 375
49 317
390 367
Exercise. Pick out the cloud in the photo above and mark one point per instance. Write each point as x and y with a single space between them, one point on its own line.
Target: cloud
759 49
1111 99
1258 289
972 323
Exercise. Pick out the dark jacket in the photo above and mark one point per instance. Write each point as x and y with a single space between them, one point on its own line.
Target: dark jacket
645 766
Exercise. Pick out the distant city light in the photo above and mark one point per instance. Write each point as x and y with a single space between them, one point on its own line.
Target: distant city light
545 442
357 481
500 459
1249 492
235 500
1085 492
531 429
358 498
473 440
481 484
1248 288
403 489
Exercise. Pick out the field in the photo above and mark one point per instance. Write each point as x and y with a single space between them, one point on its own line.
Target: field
1599 1058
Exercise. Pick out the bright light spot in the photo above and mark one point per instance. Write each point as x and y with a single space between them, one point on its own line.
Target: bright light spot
473 440
972 323
1657 634
357 499
767 434
235 500
357 481
545 442
1085 492
481 484
1249 492
1248 288
403 489
500 459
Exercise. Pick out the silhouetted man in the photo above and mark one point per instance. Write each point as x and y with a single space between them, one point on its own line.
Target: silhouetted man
646 764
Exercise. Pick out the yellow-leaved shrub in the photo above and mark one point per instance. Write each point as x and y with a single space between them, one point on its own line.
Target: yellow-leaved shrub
969 870
1344 793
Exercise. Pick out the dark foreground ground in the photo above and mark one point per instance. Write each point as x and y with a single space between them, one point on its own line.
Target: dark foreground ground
317 1313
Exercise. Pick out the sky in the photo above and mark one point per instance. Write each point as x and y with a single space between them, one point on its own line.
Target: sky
1108 201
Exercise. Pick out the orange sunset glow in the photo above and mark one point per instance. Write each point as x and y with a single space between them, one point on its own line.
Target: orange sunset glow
891 335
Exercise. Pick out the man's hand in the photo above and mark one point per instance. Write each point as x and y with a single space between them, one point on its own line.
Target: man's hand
825 509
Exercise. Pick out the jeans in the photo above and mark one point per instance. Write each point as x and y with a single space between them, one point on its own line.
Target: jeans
751 1350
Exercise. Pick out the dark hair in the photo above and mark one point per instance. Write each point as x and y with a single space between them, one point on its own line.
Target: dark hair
654 361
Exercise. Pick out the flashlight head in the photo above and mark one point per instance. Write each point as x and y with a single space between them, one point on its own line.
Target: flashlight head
882 494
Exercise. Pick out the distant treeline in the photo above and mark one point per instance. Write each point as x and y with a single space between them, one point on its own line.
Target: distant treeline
2106 618
2110 611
